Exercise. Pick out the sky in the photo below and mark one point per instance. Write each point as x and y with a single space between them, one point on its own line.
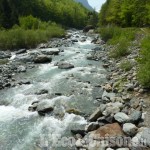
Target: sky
96 4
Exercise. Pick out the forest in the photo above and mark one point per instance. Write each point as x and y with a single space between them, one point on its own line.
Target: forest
125 13
64 12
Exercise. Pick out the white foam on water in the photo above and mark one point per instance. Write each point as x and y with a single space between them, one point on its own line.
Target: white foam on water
8 113
54 129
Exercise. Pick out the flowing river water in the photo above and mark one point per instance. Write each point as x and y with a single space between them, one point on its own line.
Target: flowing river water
21 129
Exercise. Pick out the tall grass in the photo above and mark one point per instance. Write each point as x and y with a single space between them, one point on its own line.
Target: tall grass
144 63
28 35
120 37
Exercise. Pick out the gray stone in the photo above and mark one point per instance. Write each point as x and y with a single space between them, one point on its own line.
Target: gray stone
21 69
42 59
64 65
96 114
50 51
121 117
91 127
44 107
43 91
135 116
130 129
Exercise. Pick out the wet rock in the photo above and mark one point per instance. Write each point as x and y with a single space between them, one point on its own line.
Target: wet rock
109 130
21 51
74 40
44 107
121 117
43 91
78 129
135 116
21 69
105 65
42 59
91 127
64 65
73 111
97 113
87 28
50 51
24 82
4 55
130 129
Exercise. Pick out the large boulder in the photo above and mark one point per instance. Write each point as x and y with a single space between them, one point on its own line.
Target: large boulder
64 65
44 107
130 129
121 117
109 130
87 28
50 51
42 59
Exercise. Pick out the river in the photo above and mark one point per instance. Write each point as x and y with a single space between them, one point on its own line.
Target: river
21 129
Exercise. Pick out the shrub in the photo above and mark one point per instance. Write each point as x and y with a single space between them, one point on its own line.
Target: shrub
28 35
126 65
122 49
29 22
144 63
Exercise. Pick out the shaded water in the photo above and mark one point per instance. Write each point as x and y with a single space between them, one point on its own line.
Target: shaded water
24 130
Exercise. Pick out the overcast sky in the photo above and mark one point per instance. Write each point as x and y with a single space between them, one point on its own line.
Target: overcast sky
96 4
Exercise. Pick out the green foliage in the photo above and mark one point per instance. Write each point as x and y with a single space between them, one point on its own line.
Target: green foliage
18 37
122 49
125 13
65 12
29 22
144 63
112 34
126 65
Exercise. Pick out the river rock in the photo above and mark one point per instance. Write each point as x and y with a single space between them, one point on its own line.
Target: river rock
112 108
64 65
21 69
50 51
97 113
21 51
130 129
43 91
44 107
87 28
121 117
135 116
122 149
109 130
80 143
4 55
91 127
42 59
145 135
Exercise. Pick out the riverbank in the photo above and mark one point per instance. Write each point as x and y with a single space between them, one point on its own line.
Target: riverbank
123 110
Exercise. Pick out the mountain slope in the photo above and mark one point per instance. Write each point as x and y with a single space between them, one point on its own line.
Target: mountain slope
85 4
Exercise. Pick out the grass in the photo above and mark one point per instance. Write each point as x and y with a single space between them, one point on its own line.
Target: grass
120 37
121 49
126 65
144 63
28 36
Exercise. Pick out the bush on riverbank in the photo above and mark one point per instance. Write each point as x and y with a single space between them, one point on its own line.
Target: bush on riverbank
29 34
144 63
121 37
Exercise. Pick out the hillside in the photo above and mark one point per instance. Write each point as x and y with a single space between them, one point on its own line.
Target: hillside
65 12
85 4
